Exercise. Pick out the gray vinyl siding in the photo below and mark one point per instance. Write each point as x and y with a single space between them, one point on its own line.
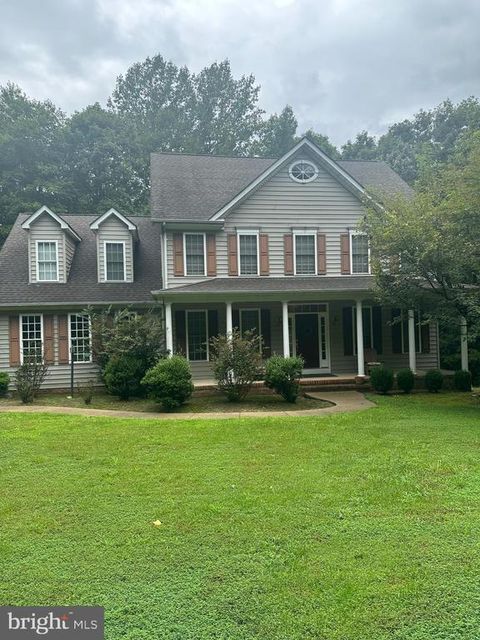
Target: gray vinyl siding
45 229
113 230
58 376
281 204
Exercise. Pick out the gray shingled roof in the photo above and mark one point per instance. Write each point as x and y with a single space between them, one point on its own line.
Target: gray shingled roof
82 286
272 285
194 187
376 175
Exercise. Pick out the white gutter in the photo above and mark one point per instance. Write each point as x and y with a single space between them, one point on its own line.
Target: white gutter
165 258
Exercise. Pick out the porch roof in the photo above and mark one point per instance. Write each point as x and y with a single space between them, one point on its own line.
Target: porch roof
224 287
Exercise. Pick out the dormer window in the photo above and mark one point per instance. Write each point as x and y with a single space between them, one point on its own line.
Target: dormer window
47 261
115 262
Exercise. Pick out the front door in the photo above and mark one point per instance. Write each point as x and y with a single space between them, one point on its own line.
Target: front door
306 336
311 340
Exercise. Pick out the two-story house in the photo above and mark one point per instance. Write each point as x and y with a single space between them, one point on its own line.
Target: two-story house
273 245
264 244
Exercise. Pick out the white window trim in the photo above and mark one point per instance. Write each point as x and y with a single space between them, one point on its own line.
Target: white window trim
305 233
185 271
304 161
70 350
205 311
25 315
362 273
37 262
245 232
122 242
354 327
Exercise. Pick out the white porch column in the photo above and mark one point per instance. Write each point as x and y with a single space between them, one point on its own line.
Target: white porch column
360 353
286 341
412 356
168 329
463 343
229 319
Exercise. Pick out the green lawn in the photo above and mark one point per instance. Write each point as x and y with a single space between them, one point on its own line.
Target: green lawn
352 526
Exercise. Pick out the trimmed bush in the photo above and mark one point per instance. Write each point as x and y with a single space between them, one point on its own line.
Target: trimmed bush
283 376
462 380
122 376
381 379
434 380
169 382
405 380
236 363
4 382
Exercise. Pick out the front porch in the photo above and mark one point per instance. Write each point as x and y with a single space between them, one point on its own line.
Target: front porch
337 337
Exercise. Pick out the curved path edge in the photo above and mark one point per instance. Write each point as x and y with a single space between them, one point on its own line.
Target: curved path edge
342 402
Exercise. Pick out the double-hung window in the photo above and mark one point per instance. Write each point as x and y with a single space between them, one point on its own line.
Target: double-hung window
47 261
305 252
359 253
197 338
194 248
80 347
115 262
248 253
32 338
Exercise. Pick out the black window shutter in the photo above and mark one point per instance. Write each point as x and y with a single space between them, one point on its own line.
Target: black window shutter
236 318
377 329
396 332
180 333
347 323
212 323
266 332
425 330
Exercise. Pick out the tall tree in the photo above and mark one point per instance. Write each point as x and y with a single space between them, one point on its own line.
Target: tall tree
364 147
101 164
29 159
415 242
276 134
323 142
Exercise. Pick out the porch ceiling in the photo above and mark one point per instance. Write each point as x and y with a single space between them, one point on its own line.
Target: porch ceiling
288 288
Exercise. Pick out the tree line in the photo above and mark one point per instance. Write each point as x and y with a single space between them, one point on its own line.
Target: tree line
99 156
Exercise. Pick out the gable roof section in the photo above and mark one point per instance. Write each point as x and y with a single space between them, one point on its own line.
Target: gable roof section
194 187
202 187
45 210
82 287
113 212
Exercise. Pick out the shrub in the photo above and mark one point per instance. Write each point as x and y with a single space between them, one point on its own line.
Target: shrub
462 380
4 382
123 375
116 334
236 363
169 382
29 377
405 380
434 380
381 379
283 375
86 391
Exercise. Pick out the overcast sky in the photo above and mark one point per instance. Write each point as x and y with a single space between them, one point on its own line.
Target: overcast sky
343 65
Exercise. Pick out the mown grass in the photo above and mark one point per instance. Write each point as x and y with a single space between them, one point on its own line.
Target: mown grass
214 402
349 526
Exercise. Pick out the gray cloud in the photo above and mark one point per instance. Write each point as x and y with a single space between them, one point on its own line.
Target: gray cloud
344 65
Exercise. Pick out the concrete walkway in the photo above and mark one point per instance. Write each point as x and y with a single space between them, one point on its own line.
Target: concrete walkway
342 401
